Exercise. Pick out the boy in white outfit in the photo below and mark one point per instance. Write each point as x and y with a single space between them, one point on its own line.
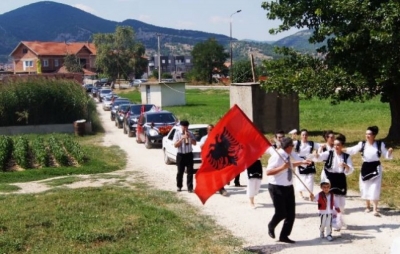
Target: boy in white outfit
326 206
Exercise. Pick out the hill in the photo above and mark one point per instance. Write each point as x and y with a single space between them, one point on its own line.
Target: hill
50 21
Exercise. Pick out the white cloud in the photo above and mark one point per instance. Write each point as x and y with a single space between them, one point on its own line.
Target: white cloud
86 8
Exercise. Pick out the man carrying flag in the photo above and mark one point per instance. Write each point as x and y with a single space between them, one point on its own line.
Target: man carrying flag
280 187
233 145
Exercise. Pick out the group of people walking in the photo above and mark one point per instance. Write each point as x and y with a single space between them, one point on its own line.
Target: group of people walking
302 154
290 157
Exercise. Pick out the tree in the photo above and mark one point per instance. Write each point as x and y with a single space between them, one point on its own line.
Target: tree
119 55
208 56
243 73
362 52
71 63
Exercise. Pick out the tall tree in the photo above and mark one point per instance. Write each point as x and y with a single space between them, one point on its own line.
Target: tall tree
362 51
119 55
208 56
71 63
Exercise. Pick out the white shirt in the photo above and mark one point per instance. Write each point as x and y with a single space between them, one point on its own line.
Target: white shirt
183 148
305 148
274 161
336 161
370 151
203 140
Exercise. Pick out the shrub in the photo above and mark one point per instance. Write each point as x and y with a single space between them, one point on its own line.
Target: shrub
42 101
21 152
6 148
74 149
58 151
40 152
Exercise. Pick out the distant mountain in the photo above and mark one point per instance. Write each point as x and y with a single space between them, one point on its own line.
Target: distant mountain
50 21
299 41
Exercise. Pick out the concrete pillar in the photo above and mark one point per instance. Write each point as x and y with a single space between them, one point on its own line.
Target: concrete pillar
268 111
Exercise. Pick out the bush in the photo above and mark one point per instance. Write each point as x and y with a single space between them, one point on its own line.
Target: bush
6 148
43 101
21 152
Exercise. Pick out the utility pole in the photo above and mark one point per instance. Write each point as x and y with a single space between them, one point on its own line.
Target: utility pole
159 58
230 43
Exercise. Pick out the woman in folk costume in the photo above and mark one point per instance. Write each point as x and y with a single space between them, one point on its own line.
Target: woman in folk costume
304 148
337 166
329 137
371 169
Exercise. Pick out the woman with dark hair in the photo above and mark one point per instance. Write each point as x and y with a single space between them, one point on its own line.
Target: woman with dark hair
304 148
371 169
329 137
337 166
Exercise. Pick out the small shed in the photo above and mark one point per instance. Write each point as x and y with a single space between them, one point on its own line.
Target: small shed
163 93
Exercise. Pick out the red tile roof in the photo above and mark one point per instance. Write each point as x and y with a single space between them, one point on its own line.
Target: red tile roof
57 48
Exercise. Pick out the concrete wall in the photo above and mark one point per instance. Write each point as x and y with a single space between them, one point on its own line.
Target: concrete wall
37 129
268 111
163 94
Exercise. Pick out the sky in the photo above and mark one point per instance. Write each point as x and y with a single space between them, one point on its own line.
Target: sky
212 16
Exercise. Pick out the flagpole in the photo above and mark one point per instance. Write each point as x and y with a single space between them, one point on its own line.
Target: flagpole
293 171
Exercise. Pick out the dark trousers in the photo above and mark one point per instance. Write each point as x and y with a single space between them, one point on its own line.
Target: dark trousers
184 160
237 180
285 209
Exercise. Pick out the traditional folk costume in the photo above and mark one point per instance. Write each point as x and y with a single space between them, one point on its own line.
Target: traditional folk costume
371 169
306 173
254 172
327 207
337 176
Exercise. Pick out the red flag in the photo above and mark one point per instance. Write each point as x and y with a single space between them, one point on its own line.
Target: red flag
232 146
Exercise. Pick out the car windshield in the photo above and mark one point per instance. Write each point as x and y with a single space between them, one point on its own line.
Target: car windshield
124 107
105 91
137 109
118 102
198 132
160 118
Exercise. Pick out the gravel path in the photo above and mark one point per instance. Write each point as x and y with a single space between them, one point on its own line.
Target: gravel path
365 233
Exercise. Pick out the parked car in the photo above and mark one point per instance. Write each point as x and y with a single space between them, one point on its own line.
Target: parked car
120 115
95 91
169 150
132 116
137 82
107 103
103 92
115 105
102 82
88 87
153 126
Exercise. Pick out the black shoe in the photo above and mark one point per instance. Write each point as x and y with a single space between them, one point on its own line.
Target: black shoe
286 240
179 189
190 191
271 233
238 185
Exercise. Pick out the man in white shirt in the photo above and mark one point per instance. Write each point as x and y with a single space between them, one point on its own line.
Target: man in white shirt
280 187
184 140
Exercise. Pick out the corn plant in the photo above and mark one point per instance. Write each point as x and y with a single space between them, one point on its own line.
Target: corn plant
74 149
21 152
40 152
58 151
6 147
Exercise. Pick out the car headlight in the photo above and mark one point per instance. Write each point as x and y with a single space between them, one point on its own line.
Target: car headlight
153 132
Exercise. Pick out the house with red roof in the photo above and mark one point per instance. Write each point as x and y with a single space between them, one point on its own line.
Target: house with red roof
48 57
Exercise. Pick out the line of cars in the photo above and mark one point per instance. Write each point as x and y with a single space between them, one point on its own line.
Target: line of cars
153 127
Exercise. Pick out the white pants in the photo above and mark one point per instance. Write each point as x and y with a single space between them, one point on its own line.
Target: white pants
326 223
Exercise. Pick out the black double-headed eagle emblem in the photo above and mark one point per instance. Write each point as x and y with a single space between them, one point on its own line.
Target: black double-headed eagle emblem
224 150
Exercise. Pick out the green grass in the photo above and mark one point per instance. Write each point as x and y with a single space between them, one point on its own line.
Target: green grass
8 188
62 181
108 220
